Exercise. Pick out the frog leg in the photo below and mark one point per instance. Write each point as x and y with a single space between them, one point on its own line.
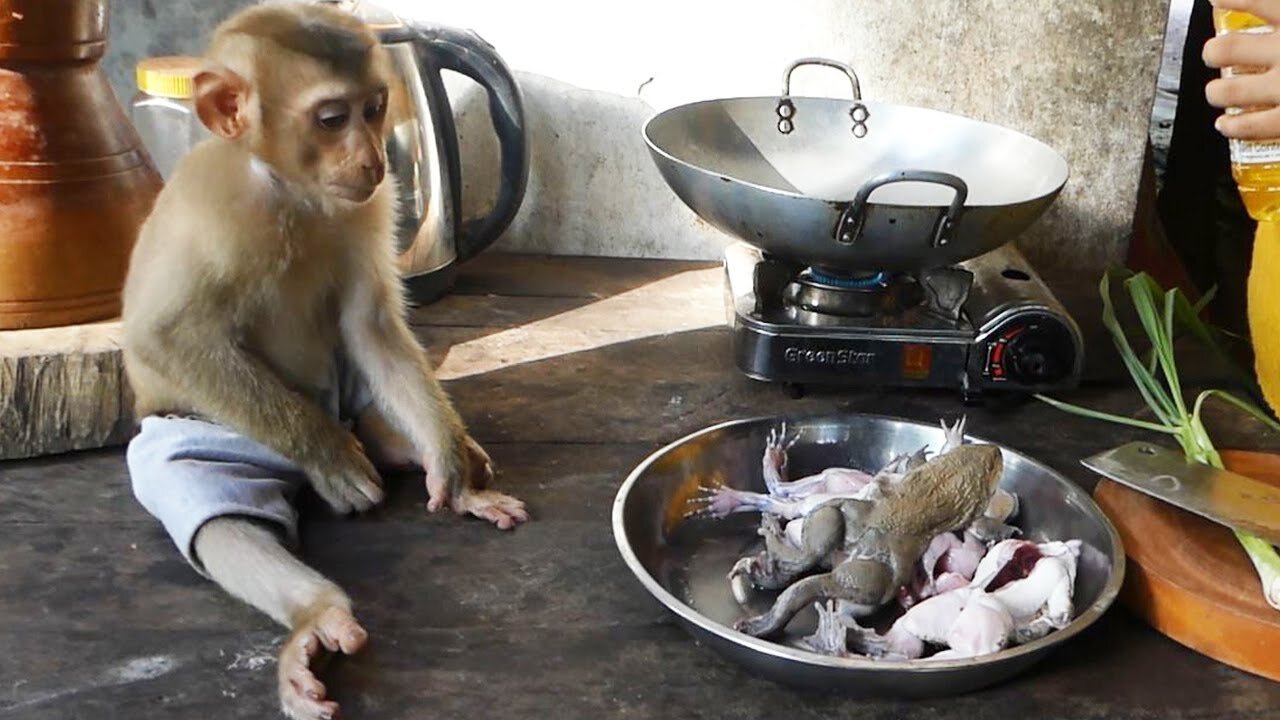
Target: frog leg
864 583
782 561
820 532
721 501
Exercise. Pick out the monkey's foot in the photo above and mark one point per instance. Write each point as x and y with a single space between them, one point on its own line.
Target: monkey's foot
302 695
502 510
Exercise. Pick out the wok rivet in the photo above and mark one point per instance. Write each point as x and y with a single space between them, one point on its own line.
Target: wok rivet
785 126
786 109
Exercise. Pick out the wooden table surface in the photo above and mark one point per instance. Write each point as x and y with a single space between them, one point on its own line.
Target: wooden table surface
570 371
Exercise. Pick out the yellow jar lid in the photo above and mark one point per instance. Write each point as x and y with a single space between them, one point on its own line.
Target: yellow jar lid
170 76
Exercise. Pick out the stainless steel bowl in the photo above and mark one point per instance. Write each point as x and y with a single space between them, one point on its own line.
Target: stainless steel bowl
683 562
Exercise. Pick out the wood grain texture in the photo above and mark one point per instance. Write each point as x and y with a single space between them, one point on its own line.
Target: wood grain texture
1190 579
62 389
101 618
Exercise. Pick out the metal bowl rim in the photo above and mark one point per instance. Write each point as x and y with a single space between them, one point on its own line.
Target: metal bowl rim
1086 618
1060 160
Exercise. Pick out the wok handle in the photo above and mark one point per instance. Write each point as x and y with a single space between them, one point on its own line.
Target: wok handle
849 227
786 109
842 67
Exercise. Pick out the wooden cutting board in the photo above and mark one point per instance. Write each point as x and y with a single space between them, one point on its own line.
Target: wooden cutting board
1189 578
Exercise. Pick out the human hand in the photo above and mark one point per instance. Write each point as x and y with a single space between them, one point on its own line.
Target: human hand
1251 99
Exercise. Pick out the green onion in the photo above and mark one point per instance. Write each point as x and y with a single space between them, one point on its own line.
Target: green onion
1162 313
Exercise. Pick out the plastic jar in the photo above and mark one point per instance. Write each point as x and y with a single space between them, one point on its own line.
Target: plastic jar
162 110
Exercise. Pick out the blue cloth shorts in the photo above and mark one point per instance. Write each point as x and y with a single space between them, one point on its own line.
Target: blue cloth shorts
187 471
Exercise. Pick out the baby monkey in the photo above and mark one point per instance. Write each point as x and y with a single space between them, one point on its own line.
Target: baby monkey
265 337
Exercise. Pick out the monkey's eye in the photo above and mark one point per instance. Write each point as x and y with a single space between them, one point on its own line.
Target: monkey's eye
333 115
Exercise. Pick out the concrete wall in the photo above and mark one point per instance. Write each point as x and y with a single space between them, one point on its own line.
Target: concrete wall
1080 76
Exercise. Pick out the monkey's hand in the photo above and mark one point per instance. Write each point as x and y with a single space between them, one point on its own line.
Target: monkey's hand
466 494
347 480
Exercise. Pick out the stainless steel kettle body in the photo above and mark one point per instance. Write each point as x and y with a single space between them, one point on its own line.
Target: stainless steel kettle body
422 146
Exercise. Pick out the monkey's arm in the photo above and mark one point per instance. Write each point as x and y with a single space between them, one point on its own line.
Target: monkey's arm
192 362
377 337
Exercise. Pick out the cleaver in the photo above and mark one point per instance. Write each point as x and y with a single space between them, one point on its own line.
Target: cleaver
1220 495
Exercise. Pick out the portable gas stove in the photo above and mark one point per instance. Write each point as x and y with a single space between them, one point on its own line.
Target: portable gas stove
986 324
874 239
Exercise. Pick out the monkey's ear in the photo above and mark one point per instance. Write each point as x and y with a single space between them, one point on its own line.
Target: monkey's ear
222 101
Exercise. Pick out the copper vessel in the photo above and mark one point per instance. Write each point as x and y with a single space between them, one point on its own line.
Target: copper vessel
75 180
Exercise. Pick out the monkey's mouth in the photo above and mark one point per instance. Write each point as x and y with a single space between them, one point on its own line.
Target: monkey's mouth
352 193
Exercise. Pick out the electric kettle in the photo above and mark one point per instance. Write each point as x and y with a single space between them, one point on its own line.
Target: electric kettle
422 145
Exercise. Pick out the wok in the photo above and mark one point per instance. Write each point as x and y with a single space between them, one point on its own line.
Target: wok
853 185
683 562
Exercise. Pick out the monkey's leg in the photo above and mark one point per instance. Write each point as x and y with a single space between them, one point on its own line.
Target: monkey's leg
250 563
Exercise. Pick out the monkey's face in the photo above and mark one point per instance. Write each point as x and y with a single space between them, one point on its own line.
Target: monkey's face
305 89
330 138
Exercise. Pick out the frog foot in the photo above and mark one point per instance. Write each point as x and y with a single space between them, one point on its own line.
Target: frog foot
953 437
742 576
776 446
754 626
715 502
832 636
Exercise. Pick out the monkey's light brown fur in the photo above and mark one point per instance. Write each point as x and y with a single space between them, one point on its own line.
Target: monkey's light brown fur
269 251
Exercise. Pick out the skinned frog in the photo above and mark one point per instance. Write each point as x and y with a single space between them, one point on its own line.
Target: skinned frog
872 542
1021 591
796 499
793 499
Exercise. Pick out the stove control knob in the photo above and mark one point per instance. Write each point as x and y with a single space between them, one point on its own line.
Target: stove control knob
1039 353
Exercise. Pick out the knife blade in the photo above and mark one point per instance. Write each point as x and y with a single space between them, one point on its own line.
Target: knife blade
1222 496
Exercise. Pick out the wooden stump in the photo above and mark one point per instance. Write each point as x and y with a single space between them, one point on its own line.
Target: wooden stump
63 389
1188 577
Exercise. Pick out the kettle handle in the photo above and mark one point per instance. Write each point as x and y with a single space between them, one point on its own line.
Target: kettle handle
465 52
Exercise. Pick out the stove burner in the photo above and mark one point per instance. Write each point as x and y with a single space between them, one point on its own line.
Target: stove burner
814 291
861 282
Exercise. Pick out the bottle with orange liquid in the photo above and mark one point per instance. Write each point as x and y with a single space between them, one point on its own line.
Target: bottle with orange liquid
1255 165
